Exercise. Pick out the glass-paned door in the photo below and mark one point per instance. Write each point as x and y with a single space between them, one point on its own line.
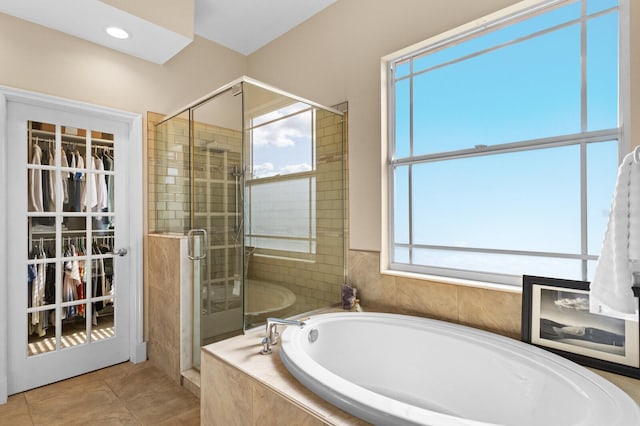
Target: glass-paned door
68 290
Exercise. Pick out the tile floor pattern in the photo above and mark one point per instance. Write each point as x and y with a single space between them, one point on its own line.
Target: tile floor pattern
125 394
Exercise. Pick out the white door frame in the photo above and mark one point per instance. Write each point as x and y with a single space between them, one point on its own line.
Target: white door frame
137 346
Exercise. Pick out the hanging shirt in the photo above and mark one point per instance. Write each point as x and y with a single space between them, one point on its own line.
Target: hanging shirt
79 183
51 199
108 165
101 186
64 177
37 292
35 181
89 190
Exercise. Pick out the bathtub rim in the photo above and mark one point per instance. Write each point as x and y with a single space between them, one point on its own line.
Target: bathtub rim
363 403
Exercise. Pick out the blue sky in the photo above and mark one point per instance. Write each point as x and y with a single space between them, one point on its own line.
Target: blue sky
284 144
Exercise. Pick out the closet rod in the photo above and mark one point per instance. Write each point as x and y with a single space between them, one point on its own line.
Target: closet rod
37 139
66 239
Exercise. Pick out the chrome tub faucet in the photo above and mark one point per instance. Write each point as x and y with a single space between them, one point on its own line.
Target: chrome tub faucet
272 334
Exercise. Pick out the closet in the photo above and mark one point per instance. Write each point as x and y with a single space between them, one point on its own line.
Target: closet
73 299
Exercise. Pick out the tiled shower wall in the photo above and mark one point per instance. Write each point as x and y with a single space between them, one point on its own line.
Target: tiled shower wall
317 283
168 166
167 174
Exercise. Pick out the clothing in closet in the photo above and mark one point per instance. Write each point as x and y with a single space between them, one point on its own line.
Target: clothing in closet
35 181
40 284
108 165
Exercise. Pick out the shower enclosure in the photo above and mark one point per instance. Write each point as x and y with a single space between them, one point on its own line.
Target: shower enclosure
255 177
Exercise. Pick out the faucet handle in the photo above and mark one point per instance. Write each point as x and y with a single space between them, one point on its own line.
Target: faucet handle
266 347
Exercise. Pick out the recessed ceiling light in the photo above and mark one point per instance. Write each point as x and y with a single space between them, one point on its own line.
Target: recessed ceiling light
117 33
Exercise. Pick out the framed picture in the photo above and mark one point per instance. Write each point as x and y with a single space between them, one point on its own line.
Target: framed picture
556 317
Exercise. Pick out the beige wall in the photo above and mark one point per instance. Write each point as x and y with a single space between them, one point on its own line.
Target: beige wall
35 58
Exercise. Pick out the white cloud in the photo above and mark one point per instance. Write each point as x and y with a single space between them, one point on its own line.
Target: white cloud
263 170
283 133
295 168
268 169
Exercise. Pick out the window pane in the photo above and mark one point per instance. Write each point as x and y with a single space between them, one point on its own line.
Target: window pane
500 36
502 96
602 72
598 5
283 147
591 269
401 205
401 255
602 163
403 68
516 201
298 246
403 122
282 211
509 264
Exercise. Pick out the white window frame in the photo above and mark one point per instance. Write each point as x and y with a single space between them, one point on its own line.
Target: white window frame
311 238
476 28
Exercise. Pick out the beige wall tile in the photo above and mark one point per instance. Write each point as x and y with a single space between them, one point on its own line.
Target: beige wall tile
434 300
270 409
164 264
164 281
492 310
629 385
227 392
374 290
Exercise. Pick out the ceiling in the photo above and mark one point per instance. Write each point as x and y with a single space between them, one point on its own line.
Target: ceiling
247 25
241 25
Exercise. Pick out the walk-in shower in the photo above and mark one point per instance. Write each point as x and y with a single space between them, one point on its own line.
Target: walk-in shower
256 177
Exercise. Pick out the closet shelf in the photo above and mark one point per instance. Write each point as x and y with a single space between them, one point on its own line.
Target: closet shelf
47 134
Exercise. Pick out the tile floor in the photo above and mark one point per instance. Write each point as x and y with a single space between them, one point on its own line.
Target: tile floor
125 394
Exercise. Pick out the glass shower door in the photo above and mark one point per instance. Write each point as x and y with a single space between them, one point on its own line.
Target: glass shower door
216 208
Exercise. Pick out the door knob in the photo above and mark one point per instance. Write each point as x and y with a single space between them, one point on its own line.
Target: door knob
120 252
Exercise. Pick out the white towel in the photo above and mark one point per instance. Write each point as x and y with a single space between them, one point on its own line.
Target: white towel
611 292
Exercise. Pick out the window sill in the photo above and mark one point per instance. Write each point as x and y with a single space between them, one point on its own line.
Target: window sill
285 257
453 281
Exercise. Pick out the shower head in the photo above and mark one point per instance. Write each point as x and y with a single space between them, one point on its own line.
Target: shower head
212 146
235 171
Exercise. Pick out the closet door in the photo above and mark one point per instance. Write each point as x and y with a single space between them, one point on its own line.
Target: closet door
68 221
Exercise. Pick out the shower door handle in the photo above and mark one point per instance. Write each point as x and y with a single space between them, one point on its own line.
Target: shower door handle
202 252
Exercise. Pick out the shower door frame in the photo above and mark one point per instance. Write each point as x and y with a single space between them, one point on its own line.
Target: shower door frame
226 315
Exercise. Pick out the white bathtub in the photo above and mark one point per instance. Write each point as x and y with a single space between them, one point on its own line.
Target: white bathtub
401 370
